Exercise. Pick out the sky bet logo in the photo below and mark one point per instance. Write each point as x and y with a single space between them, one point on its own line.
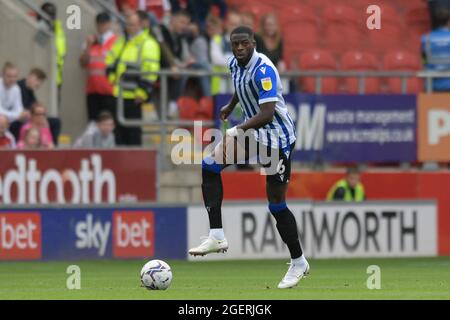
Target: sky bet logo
132 234
20 236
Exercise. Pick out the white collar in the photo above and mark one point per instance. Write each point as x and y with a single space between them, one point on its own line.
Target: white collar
253 60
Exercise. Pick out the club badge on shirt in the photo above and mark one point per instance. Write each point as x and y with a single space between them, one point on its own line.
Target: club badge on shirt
266 83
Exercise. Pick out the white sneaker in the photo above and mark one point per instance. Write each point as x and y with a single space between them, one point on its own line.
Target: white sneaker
209 245
294 274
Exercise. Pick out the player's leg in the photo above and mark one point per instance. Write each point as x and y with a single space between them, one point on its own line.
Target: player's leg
276 188
224 154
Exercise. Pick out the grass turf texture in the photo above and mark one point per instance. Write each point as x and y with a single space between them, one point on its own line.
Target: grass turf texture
402 278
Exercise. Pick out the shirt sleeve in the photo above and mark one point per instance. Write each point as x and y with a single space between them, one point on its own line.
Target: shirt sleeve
266 81
17 108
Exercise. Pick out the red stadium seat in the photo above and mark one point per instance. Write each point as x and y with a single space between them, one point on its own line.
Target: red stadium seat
340 38
391 32
257 9
341 14
356 60
388 36
315 60
418 20
187 107
297 14
400 60
205 109
299 38
301 35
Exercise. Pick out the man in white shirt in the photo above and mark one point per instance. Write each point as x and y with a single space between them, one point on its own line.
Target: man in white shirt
10 97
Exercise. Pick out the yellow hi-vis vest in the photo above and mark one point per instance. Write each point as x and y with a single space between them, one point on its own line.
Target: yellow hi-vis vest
359 191
216 81
141 53
61 49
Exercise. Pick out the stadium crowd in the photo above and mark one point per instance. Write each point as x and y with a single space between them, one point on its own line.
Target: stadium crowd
194 35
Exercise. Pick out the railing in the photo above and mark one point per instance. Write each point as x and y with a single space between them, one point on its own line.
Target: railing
111 9
163 122
30 4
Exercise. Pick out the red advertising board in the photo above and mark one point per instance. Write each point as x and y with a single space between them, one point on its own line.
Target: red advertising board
77 176
20 236
133 234
415 185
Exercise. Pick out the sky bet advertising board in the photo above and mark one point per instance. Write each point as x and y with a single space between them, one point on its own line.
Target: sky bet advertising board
93 233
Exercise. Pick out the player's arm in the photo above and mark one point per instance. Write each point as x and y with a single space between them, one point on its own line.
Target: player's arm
266 82
228 109
263 117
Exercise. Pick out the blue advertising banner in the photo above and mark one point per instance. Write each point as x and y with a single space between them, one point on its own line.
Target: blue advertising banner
93 233
349 128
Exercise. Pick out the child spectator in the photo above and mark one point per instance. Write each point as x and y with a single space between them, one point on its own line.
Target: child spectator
100 135
31 139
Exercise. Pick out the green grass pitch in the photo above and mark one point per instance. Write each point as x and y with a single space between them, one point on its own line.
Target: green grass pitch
401 278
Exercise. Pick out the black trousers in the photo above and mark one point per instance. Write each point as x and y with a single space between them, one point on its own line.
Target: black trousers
97 103
130 136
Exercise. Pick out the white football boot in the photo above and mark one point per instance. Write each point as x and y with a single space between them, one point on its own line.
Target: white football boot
294 274
209 245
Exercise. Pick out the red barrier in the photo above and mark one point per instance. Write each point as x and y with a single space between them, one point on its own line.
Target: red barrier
379 186
77 176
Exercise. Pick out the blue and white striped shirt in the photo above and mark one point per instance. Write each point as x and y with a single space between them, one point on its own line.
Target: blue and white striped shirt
257 83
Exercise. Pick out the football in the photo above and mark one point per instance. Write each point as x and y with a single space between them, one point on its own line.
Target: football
156 275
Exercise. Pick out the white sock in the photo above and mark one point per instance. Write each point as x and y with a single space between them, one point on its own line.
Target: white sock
217 234
299 261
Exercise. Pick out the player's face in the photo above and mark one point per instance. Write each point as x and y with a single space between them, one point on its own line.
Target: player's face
243 46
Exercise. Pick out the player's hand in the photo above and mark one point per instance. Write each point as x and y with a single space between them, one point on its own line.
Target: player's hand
225 112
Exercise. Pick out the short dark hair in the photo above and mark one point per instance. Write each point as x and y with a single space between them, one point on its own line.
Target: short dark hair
39 73
183 12
8 65
104 115
143 15
353 170
442 16
102 18
243 29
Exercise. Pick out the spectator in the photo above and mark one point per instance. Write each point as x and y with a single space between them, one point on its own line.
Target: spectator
173 36
28 86
272 44
248 19
101 136
201 9
99 90
7 140
38 121
137 52
348 189
31 139
220 49
436 49
198 57
160 10
10 98
56 27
